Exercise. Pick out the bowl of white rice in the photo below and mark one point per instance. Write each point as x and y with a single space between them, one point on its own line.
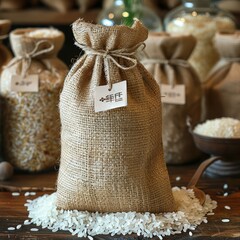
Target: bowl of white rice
218 137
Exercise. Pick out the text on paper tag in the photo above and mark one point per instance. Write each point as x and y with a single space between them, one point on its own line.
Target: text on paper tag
173 95
106 99
29 83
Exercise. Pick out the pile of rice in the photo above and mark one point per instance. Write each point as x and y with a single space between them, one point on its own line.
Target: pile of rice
44 33
190 213
219 127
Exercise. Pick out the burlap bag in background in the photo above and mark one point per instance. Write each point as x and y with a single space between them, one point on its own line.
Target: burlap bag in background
31 119
113 160
5 54
166 59
222 87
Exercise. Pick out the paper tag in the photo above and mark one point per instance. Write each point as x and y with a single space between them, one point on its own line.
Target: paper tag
109 99
173 95
25 84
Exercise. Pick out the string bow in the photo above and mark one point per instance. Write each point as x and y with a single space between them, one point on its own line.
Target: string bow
111 55
27 57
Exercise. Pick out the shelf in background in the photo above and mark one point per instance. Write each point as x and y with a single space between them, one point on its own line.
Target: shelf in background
47 16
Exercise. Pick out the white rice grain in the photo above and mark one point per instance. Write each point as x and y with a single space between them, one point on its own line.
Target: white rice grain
11 228
43 212
225 220
34 229
15 194
225 186
19 226
178 178
227 207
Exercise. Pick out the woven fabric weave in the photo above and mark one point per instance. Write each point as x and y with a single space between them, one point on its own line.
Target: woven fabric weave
113 160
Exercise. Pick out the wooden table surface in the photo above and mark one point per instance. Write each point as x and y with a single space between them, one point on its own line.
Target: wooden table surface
13 212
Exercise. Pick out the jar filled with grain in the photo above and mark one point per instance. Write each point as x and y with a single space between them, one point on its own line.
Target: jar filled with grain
30 88
202 19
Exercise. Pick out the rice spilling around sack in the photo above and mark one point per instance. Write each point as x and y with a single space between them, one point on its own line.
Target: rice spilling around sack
190 213
219 127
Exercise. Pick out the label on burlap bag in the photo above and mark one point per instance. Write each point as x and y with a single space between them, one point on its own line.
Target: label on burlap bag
29 83
173 95
106 99
112 160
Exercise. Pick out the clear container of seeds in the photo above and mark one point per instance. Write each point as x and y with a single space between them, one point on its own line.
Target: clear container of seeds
30 88
202 19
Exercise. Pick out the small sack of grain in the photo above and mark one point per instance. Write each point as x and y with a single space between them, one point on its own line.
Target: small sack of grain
5 54
111 155
166 58
30 88
221 88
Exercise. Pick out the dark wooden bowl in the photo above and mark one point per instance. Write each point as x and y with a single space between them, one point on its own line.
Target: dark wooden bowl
228 148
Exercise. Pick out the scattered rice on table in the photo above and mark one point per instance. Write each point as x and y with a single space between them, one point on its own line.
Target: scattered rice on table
15 194
225 220
227 207
43 212
19 226
11 228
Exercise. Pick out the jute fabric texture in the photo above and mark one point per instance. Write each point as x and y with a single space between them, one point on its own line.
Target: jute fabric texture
31 119
166 59
111 161
222 87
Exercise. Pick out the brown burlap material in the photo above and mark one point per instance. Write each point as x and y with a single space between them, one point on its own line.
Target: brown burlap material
221 89
113 160
167 60
31 119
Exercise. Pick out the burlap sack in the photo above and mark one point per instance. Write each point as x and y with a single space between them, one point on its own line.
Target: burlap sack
167 60
5 54
221 88
112 160
31 119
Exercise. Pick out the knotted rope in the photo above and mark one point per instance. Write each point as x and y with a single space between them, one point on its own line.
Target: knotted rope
27 57
110 55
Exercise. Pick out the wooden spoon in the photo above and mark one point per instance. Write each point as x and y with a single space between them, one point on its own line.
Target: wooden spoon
199 194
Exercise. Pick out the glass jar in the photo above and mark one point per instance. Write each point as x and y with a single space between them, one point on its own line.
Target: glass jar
124 12
202 19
